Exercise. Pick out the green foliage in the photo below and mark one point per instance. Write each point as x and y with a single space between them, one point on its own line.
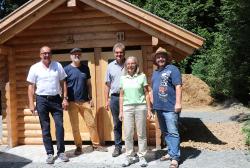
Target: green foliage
223 62
246 130
10 5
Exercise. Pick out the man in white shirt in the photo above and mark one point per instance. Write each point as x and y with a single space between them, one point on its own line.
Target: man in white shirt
44 80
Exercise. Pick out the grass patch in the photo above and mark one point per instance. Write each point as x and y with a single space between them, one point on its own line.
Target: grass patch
246 130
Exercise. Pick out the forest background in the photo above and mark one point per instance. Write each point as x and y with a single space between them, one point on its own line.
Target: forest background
223 61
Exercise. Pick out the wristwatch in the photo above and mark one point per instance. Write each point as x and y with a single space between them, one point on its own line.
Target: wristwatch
66 98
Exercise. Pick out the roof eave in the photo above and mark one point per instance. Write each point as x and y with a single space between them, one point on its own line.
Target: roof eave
25 16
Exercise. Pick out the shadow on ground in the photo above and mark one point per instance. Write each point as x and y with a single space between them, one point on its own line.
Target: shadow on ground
186 153
87 149
195 130
241 117
8 160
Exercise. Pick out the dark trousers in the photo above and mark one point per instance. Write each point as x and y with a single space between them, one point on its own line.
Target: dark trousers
46 105
114 107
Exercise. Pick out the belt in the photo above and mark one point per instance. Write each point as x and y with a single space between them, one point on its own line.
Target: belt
115 94
49 97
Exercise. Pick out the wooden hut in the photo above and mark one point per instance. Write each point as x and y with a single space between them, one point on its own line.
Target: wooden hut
93 25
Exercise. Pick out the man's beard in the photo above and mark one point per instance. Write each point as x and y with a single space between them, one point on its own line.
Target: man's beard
76 60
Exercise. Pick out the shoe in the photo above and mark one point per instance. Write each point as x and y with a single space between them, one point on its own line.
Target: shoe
100 149
117 152
63 157
165 157
135 158
174 164
143 162
78 151
50 159
128 161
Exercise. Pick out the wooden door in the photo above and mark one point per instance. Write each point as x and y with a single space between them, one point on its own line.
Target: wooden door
107 57
64 59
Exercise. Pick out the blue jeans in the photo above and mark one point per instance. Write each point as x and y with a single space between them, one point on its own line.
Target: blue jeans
168 121
114 107
54 106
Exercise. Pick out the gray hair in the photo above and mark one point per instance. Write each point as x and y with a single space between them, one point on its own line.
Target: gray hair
119 45
137 70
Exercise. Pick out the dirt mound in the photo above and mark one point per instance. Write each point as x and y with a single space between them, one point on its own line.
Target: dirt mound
195 91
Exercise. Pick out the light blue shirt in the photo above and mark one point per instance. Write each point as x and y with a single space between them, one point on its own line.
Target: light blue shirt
114 72
47 80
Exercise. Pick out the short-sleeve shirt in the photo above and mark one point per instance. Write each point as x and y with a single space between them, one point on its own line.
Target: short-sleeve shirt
133 88
47 80
163 84
113 75
77 78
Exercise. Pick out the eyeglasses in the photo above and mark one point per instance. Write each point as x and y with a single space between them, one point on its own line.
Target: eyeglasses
76 54
46 53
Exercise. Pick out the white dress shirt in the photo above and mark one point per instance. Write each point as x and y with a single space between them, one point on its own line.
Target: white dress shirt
47 80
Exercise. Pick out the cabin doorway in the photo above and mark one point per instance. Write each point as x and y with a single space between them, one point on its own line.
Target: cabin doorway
98 85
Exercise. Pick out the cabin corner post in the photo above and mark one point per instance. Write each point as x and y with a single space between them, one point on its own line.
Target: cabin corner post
99 95
11 109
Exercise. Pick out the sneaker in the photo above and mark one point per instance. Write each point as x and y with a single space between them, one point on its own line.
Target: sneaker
78 151
63 157
117 152
135 159
100 149
143 162
50 159
128 161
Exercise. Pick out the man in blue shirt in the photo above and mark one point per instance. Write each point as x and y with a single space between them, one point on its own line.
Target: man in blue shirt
79 91
112 93
166 86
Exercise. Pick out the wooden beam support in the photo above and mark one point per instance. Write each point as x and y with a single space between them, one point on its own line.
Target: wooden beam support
11 109
99 95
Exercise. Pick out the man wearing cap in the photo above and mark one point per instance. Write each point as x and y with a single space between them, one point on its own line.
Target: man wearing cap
46 76
167 86
112 93
79 91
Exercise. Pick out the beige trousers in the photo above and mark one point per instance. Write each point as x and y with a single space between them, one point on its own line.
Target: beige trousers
135 115
85 111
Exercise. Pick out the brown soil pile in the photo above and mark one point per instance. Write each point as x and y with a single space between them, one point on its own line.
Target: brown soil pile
195 91
226 136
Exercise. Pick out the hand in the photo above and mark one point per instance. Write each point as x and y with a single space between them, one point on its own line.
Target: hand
65 104
33 110
91 103
177 108
121 116
149 115
107 106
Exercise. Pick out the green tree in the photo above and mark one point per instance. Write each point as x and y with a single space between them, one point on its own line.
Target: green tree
7 6
223 62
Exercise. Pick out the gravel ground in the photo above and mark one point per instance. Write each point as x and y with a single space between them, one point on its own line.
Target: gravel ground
210 139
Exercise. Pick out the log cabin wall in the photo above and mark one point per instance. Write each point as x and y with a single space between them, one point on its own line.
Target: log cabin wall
3 80
66 28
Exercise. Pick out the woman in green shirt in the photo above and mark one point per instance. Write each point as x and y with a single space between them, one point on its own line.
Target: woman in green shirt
135 107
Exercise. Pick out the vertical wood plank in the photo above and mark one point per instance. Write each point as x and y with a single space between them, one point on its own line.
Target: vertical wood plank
11 110
99 97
